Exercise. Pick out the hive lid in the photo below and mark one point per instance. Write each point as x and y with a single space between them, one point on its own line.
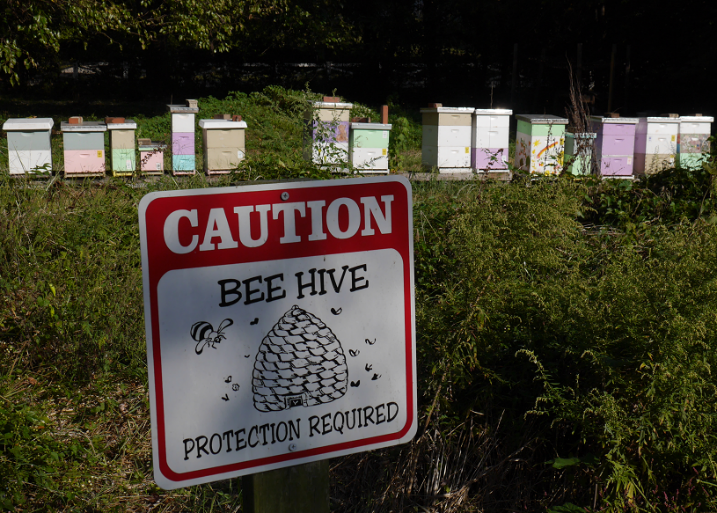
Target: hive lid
370 126
621 121
182 109
488 112
85 126
128 124
152 146
698 119
661 119
448 110
582 135
28 124
221 124
541 119
325 105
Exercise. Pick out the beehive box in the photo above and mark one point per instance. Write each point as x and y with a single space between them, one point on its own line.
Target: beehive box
447 138
122 147
28 145
615 145
489 139
326 136
368 147
84 145
224 144
183 150
655 143
151 157
693 143
579 152
540 143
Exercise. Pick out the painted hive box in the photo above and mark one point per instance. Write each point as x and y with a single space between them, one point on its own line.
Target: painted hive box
540 143
489 139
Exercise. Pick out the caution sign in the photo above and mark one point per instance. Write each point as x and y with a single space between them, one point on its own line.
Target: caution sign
280 324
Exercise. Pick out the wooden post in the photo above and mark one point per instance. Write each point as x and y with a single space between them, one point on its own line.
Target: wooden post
515 76
299 489
612 76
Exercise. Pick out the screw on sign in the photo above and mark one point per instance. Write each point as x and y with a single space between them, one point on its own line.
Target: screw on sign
280 325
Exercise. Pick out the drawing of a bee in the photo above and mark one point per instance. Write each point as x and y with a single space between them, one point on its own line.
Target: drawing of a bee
203 332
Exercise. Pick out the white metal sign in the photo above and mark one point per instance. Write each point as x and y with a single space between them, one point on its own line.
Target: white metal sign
280 324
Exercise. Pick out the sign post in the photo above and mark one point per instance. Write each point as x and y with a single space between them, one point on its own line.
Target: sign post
280 325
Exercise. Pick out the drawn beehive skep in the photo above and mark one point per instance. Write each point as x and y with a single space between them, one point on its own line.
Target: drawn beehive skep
300 362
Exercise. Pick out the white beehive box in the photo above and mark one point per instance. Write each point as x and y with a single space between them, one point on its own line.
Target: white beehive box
489 139
655 143
447 138
28 145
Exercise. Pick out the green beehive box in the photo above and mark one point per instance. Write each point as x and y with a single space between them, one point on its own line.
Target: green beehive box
579 152
122 147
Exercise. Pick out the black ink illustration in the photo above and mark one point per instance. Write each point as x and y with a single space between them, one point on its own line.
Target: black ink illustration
354 353
255 321
300 363
228 380
369 367
235 386
226 397
336 312
370 343
375 377
203 333
355 383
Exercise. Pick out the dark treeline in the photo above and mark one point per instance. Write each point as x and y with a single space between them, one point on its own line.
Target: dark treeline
632 56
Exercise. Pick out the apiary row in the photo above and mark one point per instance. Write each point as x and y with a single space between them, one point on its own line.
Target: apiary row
464 139
84 145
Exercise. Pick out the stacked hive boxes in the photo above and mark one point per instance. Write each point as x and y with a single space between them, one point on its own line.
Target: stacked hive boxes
84 143
579 152
124 159
540 143
447 138
693 139
368 147
656 143
326 140
28 145
224 144
489 140
615 144
151 157
183 158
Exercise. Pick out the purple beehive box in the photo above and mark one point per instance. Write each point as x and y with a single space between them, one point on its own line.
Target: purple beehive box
615 145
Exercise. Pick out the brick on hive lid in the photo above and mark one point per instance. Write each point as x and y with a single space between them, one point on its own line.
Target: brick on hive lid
360 120
110 119
75 120
225 117
612 114
236 117
192 104
384 114
332 99
144 142
435 105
